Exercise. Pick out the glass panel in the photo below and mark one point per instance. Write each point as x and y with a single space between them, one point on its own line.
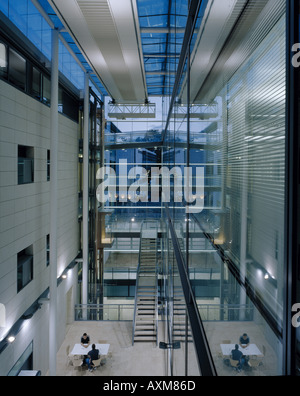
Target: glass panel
25 271
18 13
35 23
17 69
3 60
4 7
46 90
35 83
237 136
25 362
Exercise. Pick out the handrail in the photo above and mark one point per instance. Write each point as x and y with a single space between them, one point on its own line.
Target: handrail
111 308
203 353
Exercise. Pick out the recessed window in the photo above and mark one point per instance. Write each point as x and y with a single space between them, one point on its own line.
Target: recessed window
48 165
46 90
17 69
35 83
25 268
3 60
48 250
25 164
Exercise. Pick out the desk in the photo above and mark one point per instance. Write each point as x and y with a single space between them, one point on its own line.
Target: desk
79 350
251 350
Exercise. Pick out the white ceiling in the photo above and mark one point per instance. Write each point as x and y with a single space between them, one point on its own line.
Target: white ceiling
108 33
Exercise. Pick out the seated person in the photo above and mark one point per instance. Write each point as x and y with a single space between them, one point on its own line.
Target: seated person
85 340
244 341
93 355
238 356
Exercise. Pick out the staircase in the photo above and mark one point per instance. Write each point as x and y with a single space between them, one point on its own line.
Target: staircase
146 301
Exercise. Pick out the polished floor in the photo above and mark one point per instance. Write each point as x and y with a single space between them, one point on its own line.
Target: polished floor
123 360
146 359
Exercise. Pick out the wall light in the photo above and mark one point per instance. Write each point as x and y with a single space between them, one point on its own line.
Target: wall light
11 339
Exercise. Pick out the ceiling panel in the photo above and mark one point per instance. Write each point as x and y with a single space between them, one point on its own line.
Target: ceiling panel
106 33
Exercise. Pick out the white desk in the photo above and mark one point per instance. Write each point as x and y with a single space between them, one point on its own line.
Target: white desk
79 350
251 350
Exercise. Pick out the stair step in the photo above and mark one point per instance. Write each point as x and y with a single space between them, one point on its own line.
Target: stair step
146 306
147 288
145 339
149 331
145 317
144 312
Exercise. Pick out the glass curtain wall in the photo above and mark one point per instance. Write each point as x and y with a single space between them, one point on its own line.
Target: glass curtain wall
233 126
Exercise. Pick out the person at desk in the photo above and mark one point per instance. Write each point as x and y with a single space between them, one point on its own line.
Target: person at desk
238 356
85 340
244 341
93 355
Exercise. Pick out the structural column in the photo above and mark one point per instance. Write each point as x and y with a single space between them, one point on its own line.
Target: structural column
85 231
53 205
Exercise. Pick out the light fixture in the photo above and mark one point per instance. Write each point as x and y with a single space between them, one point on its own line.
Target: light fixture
11 339
133 219
267 276
64 276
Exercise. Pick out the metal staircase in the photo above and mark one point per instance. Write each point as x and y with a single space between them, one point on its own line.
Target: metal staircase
145 323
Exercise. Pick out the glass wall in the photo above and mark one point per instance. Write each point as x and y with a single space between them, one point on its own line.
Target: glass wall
27 18
229 120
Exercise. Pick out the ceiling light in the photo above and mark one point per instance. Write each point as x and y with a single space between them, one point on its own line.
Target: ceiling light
11 339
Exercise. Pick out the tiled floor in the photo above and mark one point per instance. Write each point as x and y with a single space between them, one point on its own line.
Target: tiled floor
146 359
217 332
125 360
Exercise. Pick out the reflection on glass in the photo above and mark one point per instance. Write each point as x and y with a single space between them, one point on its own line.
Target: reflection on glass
3 60
17 69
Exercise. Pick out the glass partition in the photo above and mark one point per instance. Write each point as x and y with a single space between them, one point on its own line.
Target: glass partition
231 123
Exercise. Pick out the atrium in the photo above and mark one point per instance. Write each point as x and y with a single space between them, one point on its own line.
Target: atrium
149 182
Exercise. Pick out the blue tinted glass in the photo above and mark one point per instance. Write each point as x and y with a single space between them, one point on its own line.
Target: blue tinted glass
18 12
4 7
48 9
77 76
153 14
35 26
46 39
